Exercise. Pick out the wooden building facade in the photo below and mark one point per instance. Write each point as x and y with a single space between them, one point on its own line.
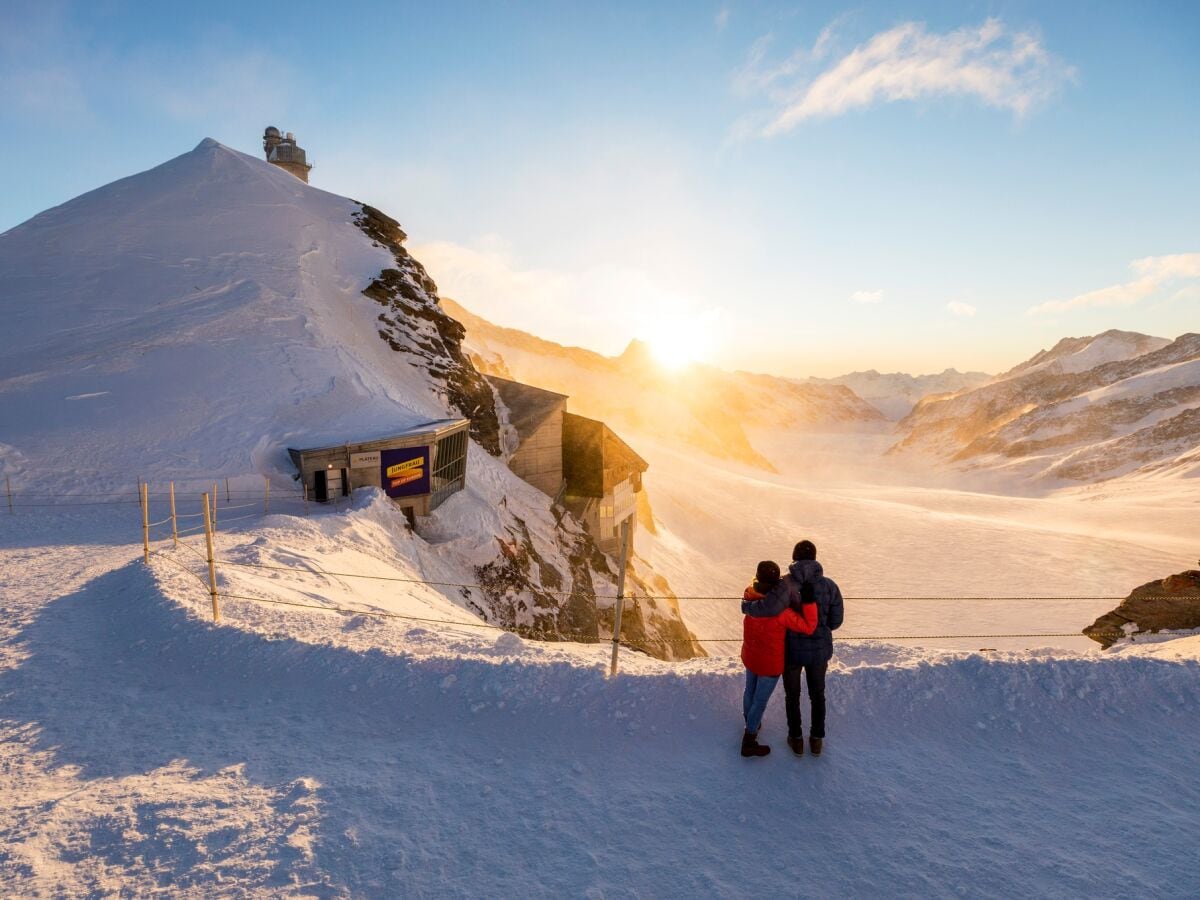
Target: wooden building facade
536 417
418 468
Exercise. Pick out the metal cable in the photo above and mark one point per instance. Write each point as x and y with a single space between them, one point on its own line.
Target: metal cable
239 518
659 596
176 562
634 642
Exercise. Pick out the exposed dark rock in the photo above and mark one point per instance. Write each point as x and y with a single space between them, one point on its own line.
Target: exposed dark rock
524 593
415 324
1167 605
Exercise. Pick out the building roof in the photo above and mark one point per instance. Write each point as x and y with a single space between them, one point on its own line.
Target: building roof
595 459
528 406
431 427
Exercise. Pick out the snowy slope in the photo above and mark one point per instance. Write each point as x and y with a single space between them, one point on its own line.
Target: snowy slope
881 539
1088 410
896 393
1081 354
195 320
208 312
302 753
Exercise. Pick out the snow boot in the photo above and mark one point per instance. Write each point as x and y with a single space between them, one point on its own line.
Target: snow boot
814 744
751 746
797 745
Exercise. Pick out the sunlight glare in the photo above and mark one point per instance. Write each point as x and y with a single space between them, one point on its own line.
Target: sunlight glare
677 341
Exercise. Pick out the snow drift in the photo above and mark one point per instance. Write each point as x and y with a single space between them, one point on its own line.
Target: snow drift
309 753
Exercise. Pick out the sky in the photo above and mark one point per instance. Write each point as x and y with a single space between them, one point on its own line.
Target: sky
795 188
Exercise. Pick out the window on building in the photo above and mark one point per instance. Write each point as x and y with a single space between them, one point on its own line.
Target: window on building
450 467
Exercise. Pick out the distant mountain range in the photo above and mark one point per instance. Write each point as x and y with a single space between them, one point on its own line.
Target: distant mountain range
1088 409
704 407
896 393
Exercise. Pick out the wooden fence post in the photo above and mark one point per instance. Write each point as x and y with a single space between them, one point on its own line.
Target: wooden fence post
214 507
616 641
174 520
8 490
227 500
146 522
212 569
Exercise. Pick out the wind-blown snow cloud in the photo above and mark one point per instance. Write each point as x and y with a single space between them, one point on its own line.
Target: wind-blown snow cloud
867 296
958 308
989 63
1154 273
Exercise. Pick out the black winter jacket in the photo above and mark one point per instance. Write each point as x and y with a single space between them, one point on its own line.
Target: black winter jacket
804 649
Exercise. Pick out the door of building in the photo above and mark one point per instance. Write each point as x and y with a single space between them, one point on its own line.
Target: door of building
329 484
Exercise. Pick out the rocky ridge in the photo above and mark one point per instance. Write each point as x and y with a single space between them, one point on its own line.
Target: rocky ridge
1073 422
1169 604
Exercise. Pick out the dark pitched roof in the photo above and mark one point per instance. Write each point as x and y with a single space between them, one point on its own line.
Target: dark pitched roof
595 458
528 406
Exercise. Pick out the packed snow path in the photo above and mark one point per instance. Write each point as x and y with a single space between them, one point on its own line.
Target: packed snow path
143 748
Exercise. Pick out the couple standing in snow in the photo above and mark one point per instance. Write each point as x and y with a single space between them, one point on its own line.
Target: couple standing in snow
788 630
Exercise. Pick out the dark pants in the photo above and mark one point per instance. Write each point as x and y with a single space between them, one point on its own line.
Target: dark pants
814 674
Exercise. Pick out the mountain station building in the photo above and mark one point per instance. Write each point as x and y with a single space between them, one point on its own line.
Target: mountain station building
578 461
283 151
418 468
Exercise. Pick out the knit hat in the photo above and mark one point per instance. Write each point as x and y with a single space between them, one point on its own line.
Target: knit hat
767 575
804 550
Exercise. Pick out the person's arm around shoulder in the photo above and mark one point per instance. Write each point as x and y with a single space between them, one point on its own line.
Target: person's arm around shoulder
804 621
837 611
764 607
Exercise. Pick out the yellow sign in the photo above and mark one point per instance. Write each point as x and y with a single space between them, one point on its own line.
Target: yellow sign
406 477
407 465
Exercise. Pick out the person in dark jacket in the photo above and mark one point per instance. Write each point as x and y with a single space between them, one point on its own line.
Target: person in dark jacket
768 606
808 655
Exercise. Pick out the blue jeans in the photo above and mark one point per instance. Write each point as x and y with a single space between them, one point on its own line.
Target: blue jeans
754 699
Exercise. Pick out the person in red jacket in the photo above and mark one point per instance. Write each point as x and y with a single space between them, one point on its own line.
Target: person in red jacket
767 605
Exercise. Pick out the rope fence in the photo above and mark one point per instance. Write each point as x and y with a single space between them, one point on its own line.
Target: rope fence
584 637
629 643
212 504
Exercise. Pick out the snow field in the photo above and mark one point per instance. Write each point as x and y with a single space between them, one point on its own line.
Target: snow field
302 753
883 539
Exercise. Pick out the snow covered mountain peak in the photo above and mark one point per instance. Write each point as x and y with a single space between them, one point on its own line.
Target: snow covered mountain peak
197 319
1089 409
1081 354
896 393
207 307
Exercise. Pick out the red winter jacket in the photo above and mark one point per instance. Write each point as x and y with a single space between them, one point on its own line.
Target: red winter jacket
763 634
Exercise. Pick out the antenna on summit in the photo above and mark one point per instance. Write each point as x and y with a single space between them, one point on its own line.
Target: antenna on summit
283 151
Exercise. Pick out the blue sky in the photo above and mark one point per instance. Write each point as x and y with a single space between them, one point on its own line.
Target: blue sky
800 188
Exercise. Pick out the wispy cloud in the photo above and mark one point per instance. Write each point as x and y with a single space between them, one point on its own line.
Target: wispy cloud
958 308
721 19
1154 274
989 63
867 296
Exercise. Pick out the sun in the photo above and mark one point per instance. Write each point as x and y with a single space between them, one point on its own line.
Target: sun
677 342
671 353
